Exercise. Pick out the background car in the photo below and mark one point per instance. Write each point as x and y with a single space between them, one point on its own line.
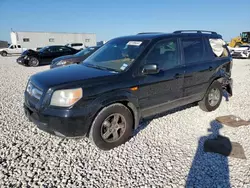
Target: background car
73 59
243 51
45 55
77 46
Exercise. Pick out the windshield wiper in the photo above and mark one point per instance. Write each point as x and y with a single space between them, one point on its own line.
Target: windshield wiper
100 67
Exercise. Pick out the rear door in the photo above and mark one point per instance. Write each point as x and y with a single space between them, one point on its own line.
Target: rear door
48 55
198 67
158 91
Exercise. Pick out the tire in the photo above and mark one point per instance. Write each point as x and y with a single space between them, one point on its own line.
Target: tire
33 62
210 105
99 129
4 54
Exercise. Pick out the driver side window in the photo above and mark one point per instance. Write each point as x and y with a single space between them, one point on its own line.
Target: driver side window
164 54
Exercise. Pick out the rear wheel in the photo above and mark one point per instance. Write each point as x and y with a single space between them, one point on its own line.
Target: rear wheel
4 54
111 127
212 98
33 62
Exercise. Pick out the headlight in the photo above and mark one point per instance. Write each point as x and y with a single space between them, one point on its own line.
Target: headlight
66 98
62 62
245 52
26 57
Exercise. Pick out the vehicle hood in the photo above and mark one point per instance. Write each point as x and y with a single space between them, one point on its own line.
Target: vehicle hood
240 49
29 52
68 58
2 49
68 74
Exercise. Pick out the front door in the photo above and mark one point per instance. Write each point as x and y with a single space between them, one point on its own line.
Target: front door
158 92
12 49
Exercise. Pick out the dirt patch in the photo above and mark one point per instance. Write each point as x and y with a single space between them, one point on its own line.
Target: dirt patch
232 121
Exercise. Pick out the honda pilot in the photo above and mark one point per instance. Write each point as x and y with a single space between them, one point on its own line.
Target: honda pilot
127 80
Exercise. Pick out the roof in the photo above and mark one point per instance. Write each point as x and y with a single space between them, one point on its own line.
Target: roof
150 36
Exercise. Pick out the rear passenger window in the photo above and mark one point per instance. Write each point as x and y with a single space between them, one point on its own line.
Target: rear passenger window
164 54
193 50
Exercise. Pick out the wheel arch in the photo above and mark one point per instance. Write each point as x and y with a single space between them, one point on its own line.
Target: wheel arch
126 99
3 52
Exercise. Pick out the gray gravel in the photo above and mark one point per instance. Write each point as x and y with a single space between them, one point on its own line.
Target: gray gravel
166 153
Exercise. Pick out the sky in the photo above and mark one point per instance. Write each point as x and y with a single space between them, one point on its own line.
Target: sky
113 18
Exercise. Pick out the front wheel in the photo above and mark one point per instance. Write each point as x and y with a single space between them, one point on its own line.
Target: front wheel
33 62
212 98
112 127
4 54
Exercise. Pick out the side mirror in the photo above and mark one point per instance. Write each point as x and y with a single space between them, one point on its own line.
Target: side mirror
150 69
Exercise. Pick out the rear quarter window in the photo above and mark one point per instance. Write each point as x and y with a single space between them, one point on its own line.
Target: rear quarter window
219 48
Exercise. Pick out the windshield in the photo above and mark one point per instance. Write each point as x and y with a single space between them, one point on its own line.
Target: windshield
244 46
244 35
44 49
116 55
85 51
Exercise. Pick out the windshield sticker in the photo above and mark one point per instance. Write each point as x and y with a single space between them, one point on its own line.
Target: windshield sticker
124 66
134 43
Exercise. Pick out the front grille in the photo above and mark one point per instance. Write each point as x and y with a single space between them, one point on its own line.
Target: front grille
33 91
237 54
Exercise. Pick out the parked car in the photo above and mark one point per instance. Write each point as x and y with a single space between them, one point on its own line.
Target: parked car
77 46
128 79
13 49
44 56
243 51
73 59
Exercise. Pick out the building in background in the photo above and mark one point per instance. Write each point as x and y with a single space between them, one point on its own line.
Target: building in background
40 39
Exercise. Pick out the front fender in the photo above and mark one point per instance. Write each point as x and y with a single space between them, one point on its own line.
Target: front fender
124 97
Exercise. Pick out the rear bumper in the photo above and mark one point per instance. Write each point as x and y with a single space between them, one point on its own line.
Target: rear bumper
59 126
227 85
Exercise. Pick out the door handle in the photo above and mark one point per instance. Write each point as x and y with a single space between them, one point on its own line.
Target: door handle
176 76
210 68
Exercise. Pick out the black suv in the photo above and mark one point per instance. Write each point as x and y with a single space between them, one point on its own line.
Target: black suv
126 80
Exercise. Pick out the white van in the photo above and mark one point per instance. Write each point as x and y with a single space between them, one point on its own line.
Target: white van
77 46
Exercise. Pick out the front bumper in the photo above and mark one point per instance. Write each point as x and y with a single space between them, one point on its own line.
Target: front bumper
54 65
22 61
239 55
59 126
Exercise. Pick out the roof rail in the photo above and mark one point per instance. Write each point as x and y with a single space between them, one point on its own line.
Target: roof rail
194 31
144 33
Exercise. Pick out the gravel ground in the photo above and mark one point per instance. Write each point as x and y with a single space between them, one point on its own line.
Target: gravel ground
166 153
